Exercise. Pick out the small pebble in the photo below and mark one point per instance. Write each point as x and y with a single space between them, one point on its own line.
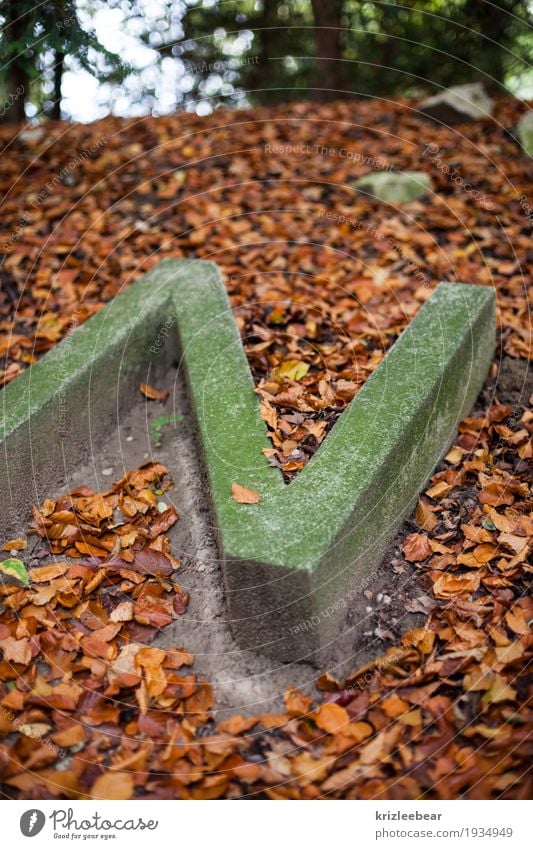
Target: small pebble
379 597
387 599
108 471
129 439
368 609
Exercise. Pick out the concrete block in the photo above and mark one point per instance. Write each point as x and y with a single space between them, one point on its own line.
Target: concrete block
297 561
296 564
54 415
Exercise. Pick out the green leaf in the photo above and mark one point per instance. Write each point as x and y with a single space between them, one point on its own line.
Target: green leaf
14 568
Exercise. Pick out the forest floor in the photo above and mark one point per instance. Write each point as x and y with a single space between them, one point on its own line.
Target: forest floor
325 280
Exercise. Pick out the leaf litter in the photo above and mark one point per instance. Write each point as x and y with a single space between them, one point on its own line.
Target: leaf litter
322 281
442 714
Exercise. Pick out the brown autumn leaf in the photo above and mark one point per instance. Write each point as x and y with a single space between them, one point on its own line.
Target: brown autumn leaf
328 683
113 785
416 548
147 561
449 586
153 394
483 553
150 657
357 731
331 718
164 521
176 658
244 495
496 494
18 651
476 534
180 601
420 638
394 706
499 691
296 703
510 653
425 516
70 736
438 490
512 542
516 620
15 545
43 574
454 456
123 612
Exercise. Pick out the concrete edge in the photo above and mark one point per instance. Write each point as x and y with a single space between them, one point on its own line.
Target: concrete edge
52 415
322 536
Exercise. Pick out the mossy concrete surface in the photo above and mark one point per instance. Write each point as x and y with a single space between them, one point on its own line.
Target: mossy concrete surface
395 186
296 564
55 414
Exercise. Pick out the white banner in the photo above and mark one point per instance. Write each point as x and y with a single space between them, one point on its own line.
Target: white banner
259 825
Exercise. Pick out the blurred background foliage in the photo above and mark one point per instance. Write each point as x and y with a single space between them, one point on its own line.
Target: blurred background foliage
155 56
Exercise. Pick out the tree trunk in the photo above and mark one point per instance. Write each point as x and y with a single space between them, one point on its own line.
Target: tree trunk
12 111
260 77
328 76
59 67
18 81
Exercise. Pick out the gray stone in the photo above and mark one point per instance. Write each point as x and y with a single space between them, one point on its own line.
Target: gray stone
524 131
457 104
395 186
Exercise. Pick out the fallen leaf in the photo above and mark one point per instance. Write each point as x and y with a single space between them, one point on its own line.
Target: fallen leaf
296 703
293 369
42 574
331 717
243 495
449 586
123 612
113 785
153 394
15 545
18 651
425 516
14 568
416 548
500 691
